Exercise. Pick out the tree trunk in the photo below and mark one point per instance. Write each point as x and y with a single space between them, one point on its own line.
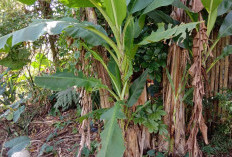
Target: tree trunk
137 138
219 79
102 73
85 96
175 118
47 13
86 101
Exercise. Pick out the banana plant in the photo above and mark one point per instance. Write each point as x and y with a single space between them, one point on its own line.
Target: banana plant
211 6
120 15
216 8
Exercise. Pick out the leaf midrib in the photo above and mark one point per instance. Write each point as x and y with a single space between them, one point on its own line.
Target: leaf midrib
114 12
63 77
109 135
210 12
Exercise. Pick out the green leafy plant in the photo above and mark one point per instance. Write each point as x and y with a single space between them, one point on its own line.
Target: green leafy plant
225 100
211 6
16 59
112 138
153 58
13 112
96 115
88 153
41 61
224 7
17 144
11 109
7 90
45 147
150 116
28 2
66 98
152 152
226 52
220 143
225 30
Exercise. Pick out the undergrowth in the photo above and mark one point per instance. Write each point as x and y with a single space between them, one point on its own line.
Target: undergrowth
220 142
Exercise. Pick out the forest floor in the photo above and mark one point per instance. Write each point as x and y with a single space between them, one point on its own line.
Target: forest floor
52 136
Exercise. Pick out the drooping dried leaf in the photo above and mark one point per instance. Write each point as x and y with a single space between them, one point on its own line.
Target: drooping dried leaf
200 41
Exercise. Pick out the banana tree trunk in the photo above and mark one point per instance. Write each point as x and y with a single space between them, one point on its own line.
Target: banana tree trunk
86 101
175 118
137 138
102 73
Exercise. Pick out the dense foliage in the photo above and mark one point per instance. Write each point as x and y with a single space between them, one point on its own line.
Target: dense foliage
51 52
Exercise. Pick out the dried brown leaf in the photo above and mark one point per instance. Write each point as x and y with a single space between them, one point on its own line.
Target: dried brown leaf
197 6
200 42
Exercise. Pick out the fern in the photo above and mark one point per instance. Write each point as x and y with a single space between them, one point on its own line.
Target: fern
65 98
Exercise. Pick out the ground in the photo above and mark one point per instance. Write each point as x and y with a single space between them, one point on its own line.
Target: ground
60 133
